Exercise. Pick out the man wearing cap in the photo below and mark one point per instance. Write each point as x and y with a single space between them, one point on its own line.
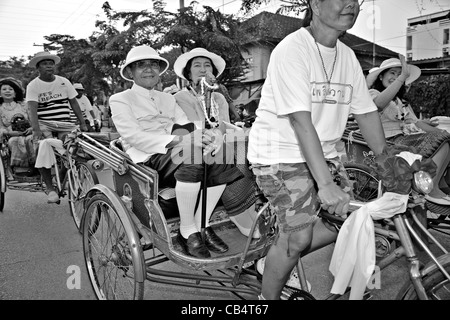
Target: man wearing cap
50 99
146 119
86 108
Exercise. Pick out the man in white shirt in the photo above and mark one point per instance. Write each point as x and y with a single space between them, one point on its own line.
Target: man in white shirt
86 107
50 99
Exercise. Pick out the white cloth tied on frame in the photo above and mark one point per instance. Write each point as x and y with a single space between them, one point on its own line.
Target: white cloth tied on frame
353 260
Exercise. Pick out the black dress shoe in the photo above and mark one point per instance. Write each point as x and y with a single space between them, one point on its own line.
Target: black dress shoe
213 242
193 245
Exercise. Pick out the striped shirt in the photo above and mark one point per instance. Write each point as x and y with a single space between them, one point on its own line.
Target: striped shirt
52 98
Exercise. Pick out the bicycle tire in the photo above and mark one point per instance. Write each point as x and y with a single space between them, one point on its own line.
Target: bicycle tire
78 188
2 183
113 260
431 282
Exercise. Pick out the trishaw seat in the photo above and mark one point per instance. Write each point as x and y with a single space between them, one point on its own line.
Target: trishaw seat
166 193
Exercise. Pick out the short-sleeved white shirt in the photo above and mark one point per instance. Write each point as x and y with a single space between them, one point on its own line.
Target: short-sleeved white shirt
52 98
295 82
144 119
86 107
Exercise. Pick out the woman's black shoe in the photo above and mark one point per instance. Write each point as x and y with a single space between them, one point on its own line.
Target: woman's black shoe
193 245
213 242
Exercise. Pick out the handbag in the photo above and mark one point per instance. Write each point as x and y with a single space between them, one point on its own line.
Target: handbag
19 123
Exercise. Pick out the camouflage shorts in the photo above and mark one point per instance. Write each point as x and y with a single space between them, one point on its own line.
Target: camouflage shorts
292 193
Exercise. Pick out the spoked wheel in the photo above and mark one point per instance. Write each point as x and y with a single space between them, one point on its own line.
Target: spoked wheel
291 293
2 185
436 285
80 182
438 217
365 184
114 258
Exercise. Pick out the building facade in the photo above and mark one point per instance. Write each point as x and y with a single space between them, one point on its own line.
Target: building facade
267 30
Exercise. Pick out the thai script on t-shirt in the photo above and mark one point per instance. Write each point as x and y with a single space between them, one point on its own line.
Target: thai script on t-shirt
333 93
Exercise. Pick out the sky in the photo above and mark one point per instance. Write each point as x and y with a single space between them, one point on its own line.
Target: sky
24 23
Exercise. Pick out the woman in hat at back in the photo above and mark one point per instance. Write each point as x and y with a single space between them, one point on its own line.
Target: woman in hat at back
239 197
15 124
388 85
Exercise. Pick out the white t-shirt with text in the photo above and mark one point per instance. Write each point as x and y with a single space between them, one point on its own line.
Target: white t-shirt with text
52 98
296 81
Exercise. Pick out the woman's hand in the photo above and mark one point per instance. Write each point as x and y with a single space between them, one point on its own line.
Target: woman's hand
37 136
212 140
28 131
405 70
83 127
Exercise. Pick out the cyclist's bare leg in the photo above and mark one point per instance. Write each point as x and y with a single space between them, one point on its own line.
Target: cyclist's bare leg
281 259
323 234
46 175
285 252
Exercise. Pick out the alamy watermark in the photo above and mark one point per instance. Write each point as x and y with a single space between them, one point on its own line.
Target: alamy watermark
375 280
74 279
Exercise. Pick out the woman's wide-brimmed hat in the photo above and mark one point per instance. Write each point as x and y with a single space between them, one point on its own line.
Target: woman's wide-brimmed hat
43 55
414 71
16 84
182 60
143 53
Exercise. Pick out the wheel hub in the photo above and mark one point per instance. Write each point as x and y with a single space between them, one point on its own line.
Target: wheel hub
103 261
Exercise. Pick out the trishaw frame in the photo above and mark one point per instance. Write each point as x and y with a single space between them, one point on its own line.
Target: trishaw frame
155 227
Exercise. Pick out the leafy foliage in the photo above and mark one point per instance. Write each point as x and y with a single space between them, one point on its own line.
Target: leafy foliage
96 61
213 31
287 6
431 96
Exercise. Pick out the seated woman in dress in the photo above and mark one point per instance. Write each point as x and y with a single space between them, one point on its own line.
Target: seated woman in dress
146 118
15 124
239 198
387 86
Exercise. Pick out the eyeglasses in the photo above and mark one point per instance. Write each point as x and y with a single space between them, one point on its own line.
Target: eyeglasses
144 64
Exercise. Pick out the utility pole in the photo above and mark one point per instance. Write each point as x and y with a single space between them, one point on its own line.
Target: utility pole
179 81
374 25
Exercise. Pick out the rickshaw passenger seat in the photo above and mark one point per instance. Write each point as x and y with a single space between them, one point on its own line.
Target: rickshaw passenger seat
166 194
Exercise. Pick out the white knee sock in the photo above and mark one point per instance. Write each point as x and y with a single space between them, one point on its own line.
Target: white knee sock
213 195
187 193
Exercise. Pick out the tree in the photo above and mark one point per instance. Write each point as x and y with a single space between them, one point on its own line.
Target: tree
96 61
17 68
111 45
166 31
213 31
287 6
431 96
